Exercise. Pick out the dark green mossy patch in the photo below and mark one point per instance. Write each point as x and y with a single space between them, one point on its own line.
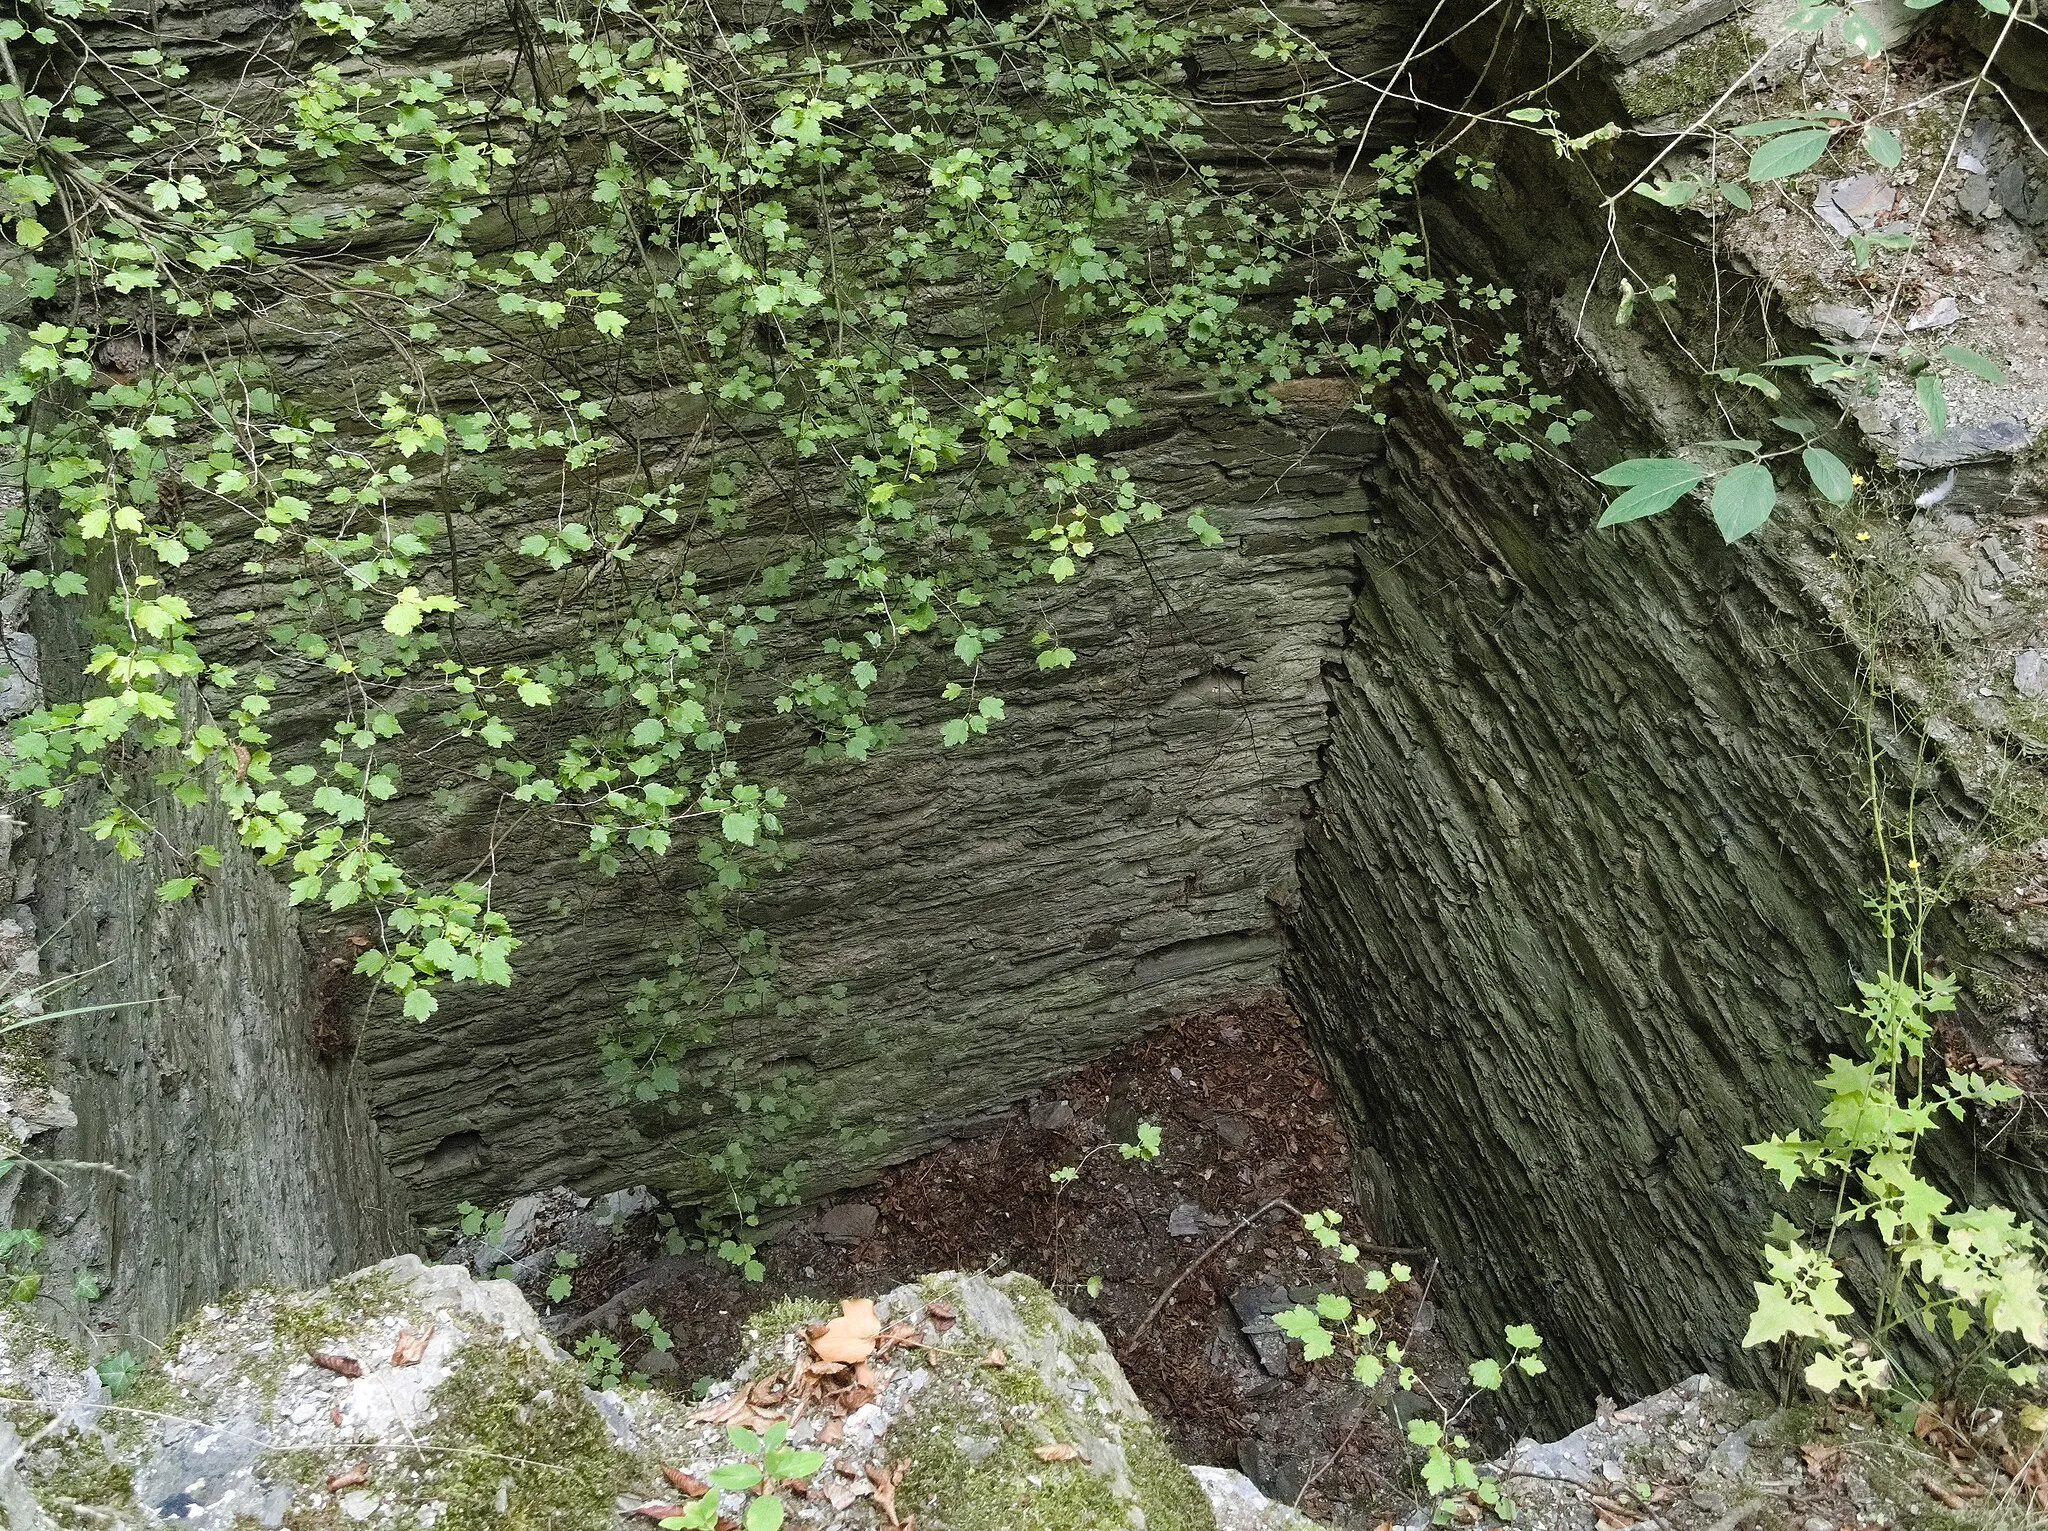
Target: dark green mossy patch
1689 76
521 1448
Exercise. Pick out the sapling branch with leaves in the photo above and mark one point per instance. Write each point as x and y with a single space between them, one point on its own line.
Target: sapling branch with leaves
1382 1367
1966 1280
1744 473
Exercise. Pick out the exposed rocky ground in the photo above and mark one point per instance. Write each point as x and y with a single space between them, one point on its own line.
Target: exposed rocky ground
415 1396
1248 1133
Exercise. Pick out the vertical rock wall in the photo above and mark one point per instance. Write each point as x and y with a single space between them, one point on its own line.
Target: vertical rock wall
220 1143
1583 889
1118 851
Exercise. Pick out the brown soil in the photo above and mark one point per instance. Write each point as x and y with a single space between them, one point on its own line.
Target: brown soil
1249 1132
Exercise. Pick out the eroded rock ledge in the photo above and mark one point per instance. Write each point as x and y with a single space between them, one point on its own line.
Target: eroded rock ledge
415 1396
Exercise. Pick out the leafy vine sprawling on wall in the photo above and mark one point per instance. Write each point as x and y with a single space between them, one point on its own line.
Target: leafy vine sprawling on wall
554 431
699 374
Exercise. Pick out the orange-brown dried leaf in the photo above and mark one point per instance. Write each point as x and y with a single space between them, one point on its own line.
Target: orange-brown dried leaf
1822 1460
885 1491
683 1483
411 1348
942 1315
736 1410
348 1478
995 1357
899 1334
849 1338
345 1366
1058 1451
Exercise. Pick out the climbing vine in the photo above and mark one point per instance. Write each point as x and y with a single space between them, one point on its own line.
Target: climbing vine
572 434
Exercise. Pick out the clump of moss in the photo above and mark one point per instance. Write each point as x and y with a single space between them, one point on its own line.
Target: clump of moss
1168 1491
307 1320
1690 75
1008 1485
1591 21
81 1474
998 1491
787 1314
517 1447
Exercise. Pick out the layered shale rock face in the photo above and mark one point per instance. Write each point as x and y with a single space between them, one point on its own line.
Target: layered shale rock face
1585 845
1583 886
1118 851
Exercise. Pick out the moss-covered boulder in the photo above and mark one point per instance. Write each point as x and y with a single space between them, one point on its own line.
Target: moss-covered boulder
417 1397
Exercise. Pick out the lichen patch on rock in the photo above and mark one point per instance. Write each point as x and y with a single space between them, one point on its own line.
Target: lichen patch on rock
417 1398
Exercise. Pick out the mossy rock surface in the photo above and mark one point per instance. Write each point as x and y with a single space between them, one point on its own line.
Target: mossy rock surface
412 1397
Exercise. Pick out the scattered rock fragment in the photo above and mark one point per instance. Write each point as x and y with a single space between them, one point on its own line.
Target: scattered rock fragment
1052 1115
1255 1307
1939 314
851 1222
1854 204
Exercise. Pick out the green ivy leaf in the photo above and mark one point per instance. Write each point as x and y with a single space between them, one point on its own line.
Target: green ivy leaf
1933 402
733 1477
1883 145
1654 484
1302 1324
1975 361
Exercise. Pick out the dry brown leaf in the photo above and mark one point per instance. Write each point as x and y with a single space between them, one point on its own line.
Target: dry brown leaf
661 1511
885 1491
833 1433
683 1483
346 1366
1822 1461
995 1357
1058 1451
410 1348
850 1337
736 1410
349 1478
898 1335
1612 1515
942 1315
1953 1501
